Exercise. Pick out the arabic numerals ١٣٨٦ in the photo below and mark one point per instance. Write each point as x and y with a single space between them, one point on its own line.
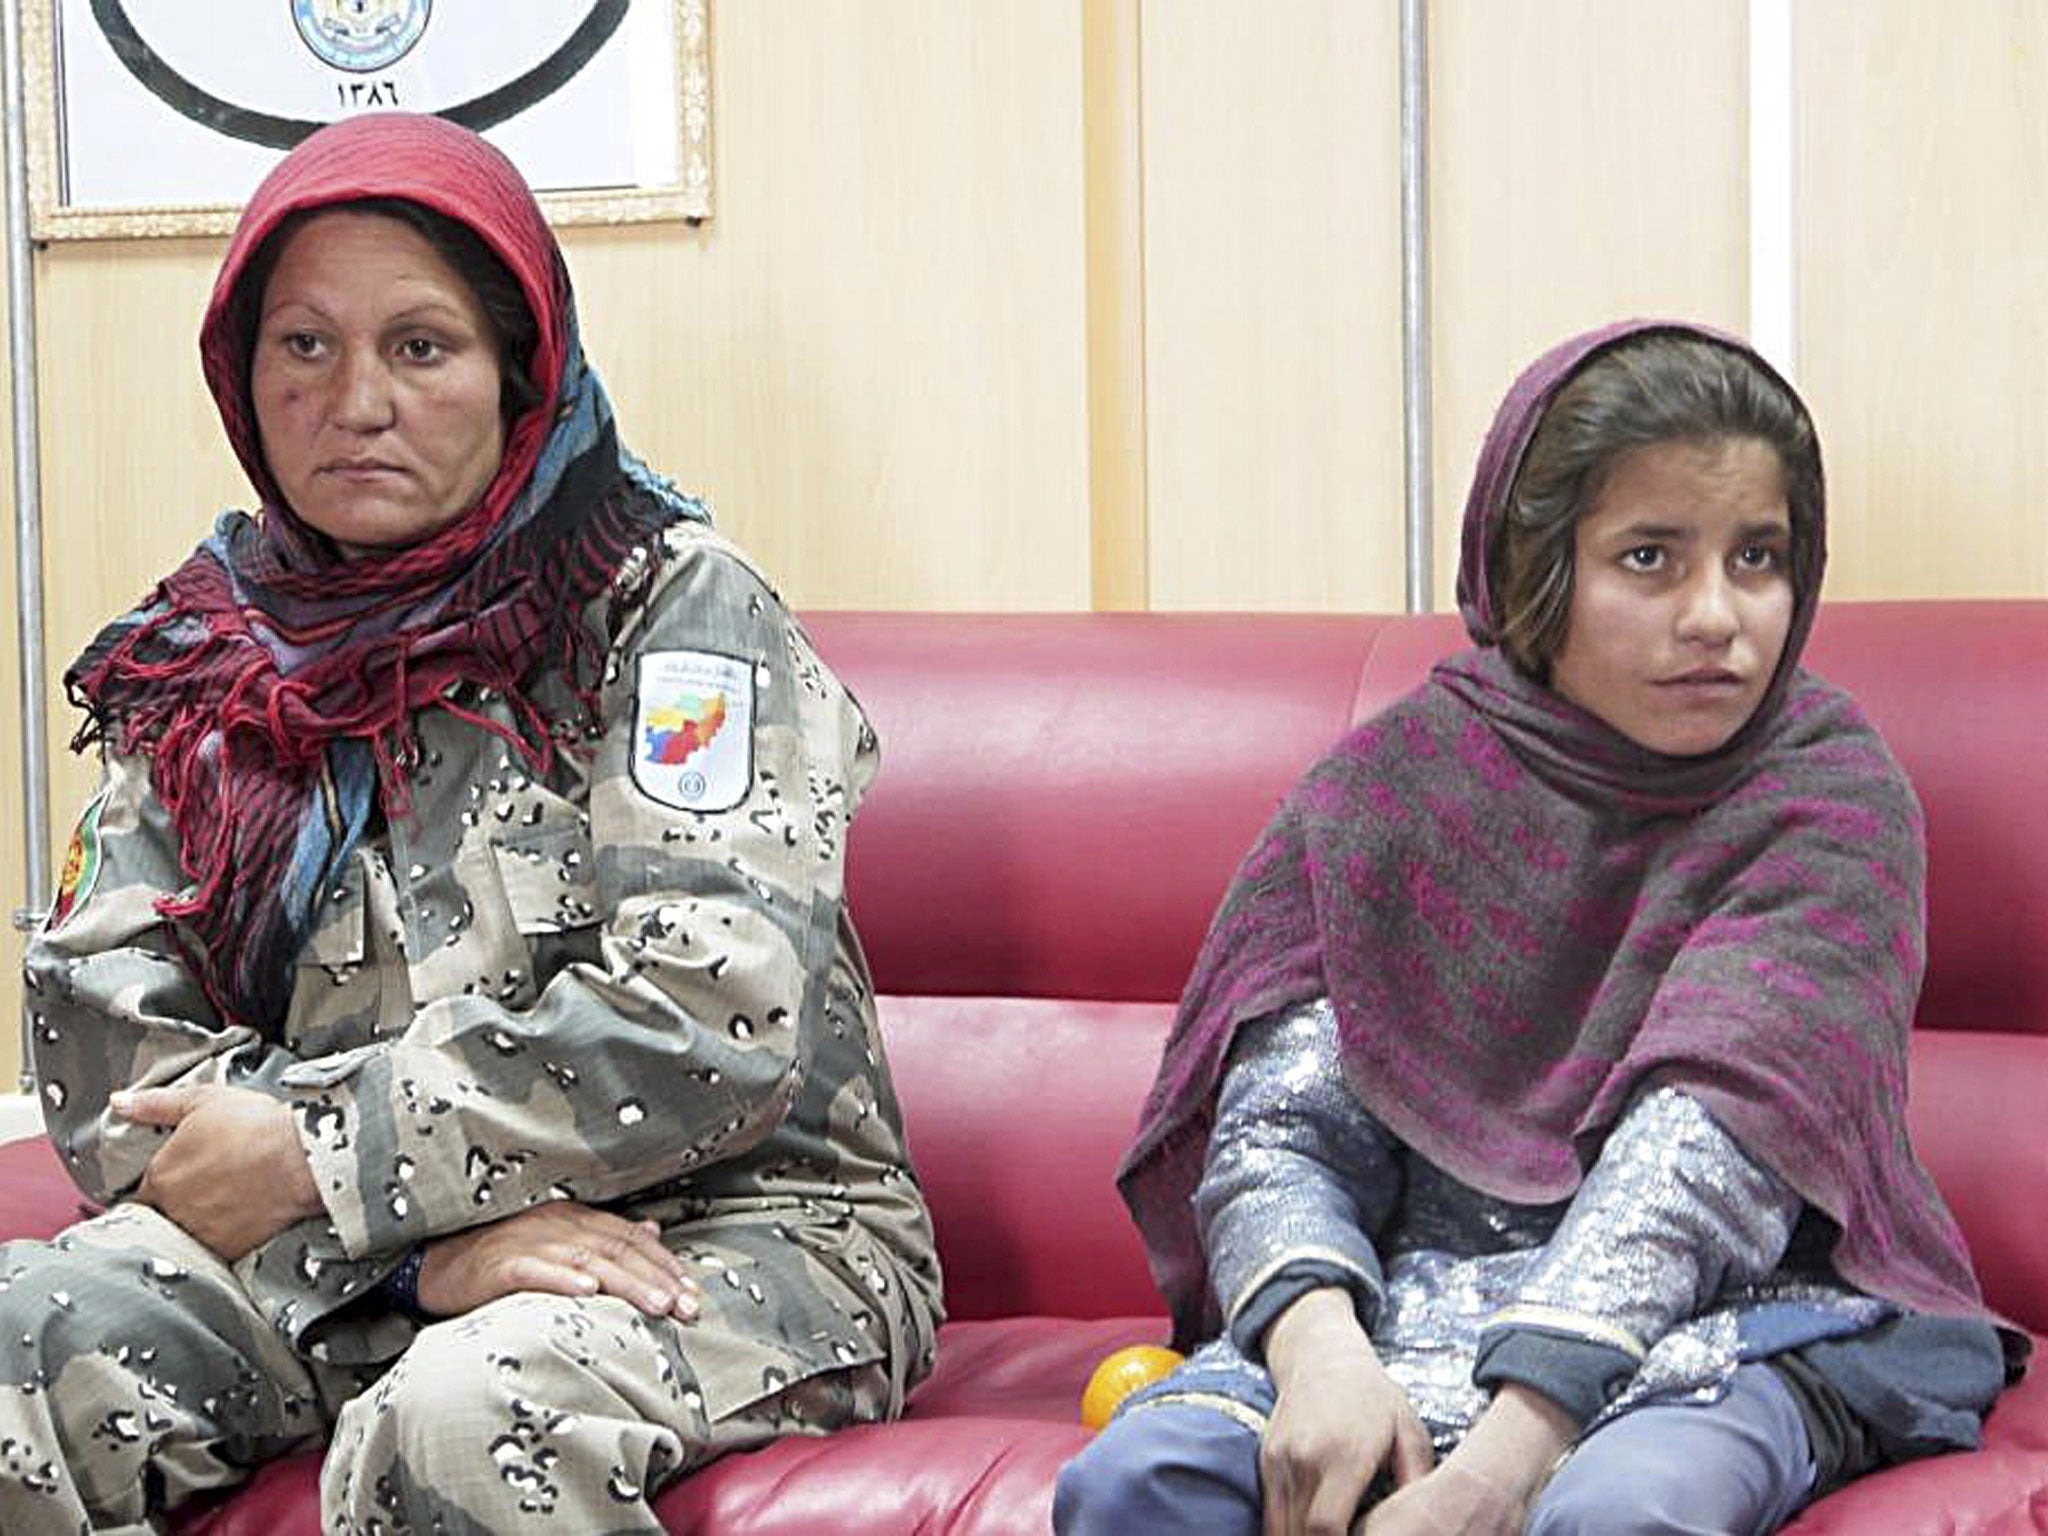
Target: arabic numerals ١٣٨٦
367 93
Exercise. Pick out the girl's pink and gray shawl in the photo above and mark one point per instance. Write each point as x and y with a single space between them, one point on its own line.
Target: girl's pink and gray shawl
1523 919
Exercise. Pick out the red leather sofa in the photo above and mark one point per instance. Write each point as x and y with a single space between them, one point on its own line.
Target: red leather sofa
1061 803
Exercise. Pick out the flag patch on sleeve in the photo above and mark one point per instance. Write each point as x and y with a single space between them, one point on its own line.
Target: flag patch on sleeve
693 730
81 865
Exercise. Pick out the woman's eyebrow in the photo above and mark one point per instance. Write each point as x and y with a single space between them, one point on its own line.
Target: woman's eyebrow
436 307
411 312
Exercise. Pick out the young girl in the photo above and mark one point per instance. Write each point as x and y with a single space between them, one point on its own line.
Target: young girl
1538 1098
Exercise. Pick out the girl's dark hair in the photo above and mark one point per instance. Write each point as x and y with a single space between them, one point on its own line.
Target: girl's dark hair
1660 387
497 291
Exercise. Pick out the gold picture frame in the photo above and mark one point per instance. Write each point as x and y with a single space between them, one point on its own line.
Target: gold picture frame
680 189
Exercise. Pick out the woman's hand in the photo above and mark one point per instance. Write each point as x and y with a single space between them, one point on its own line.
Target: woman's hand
1338 1418
564 1248
232 1172
1485 1486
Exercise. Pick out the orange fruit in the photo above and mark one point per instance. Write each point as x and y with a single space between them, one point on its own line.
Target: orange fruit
1119 1375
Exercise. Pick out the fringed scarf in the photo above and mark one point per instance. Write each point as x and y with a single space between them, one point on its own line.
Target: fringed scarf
272 682
1523 919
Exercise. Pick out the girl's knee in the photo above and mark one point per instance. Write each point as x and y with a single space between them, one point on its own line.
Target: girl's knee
1665 1507
1587 1507
1164 1468
1093 1490
1737 1467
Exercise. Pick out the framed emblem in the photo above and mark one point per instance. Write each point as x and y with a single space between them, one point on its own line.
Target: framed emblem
604 105
361 35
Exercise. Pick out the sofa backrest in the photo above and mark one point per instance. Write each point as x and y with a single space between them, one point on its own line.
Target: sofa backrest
1063 799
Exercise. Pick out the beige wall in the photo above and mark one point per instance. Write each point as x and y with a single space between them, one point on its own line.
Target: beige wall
1272 305
1052 303
1588 161
13 874
1923 290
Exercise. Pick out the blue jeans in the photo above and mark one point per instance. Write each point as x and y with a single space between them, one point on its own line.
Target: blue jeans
1741 1466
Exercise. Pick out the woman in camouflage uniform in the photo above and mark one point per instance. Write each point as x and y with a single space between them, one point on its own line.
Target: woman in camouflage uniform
451 996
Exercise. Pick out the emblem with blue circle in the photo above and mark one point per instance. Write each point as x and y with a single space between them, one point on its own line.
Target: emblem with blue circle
361 35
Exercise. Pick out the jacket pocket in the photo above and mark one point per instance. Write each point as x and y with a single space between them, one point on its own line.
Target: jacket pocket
775 1312
335 991
532 907
547 873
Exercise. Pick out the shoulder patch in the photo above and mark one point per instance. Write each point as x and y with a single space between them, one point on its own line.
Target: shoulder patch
81 865
693 729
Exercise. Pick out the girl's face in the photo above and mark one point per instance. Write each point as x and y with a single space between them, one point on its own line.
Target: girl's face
1681 593
375 383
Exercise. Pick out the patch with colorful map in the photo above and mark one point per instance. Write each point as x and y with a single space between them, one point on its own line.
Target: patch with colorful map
693 730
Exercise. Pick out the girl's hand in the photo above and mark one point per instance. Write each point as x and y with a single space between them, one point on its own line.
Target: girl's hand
1337 1419
232 1172
1486 1486
564 1248
1452 1498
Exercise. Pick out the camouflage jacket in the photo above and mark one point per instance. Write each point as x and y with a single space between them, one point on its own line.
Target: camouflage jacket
631 982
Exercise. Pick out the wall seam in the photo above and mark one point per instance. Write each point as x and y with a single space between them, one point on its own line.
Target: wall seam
1112 110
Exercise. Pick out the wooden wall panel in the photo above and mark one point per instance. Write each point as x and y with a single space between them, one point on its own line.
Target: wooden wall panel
874 357
1922 135
1588 162
1272 297
134 465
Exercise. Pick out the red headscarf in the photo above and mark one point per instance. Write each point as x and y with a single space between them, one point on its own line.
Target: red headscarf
429 161
270 679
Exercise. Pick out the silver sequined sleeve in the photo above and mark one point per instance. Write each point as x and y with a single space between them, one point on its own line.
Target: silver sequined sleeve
1297 1171
1671 1215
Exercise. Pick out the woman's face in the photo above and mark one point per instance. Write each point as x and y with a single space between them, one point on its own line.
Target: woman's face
375 383
1681 593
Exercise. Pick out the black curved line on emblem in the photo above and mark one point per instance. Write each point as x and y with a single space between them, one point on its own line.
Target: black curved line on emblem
478 113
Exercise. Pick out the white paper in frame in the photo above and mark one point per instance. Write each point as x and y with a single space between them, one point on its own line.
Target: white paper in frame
159 117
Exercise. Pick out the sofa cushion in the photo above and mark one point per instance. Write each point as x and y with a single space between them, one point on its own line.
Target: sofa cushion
40 1199
2000 1490
978 1451
1974 1107
1016 1110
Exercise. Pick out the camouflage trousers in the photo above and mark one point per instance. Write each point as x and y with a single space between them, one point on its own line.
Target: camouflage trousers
135 1373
